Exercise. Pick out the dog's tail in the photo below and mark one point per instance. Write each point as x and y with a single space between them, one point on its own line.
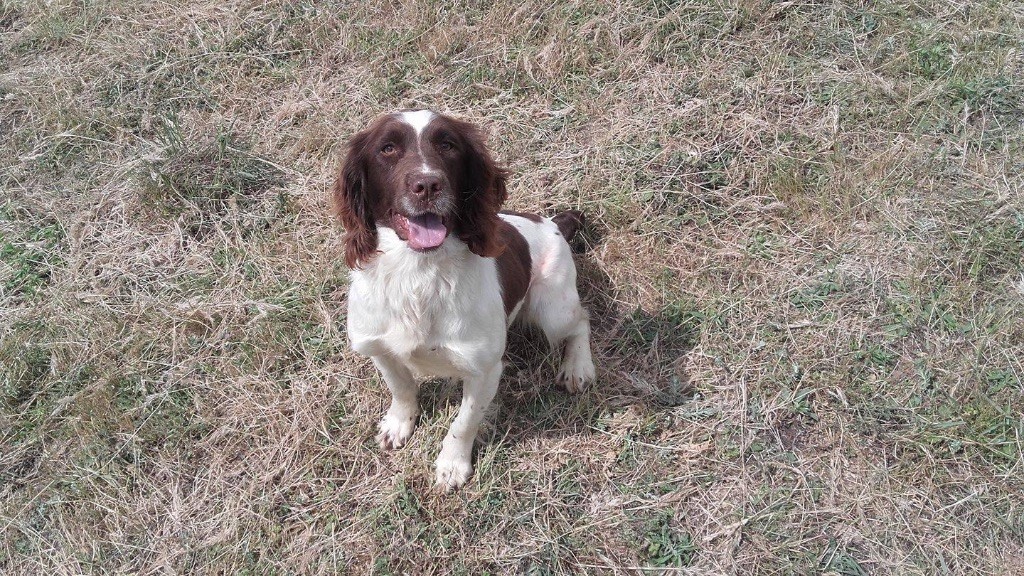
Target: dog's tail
569 223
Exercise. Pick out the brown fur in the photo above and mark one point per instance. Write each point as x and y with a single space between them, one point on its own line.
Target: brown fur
514 265
368 187
352 203
569 223
483 195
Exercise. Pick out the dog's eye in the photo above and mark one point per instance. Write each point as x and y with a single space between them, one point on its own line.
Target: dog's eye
445 146
387 149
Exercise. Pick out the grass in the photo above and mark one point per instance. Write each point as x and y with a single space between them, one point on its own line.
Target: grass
804 274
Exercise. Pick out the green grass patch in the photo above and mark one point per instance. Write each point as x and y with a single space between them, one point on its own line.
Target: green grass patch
207 174
28 256
664 545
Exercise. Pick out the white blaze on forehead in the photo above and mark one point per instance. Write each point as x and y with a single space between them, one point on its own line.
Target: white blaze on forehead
419 119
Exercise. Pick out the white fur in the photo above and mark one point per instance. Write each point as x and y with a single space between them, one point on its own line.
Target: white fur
419 120
440 313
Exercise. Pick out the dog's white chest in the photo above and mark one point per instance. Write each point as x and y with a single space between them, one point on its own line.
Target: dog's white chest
436 319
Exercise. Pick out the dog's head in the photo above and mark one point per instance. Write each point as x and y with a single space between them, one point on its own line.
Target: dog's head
424 175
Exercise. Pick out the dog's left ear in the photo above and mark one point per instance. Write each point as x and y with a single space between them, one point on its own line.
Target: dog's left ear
352 204
483 193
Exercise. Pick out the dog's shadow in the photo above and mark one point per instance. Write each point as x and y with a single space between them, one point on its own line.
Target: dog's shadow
639 357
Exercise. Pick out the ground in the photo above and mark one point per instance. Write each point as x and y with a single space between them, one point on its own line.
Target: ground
803 268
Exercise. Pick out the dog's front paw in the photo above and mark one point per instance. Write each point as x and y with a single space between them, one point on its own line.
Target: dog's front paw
577 372
453 472
395 429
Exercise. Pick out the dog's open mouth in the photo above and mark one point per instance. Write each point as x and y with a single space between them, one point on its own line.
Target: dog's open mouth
422 232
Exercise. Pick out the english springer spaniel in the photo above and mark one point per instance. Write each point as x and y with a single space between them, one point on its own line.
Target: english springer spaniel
438 274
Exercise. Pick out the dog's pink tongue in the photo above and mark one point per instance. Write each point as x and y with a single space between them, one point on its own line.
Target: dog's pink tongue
426 231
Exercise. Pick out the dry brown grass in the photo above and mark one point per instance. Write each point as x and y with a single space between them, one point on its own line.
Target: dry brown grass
805 276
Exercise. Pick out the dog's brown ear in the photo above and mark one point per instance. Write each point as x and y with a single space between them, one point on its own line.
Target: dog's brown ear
352 204
484 191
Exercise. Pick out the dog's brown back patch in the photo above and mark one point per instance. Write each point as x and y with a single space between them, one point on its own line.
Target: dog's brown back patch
513 266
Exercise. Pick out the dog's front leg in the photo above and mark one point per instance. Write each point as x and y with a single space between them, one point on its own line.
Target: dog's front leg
454 463
397 425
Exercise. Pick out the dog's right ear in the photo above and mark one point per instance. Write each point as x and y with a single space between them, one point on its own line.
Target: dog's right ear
352 204
485 190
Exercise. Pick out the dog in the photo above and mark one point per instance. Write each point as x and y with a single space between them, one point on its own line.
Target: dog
438 273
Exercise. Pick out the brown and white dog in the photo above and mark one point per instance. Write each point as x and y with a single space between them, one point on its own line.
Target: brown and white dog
438 274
